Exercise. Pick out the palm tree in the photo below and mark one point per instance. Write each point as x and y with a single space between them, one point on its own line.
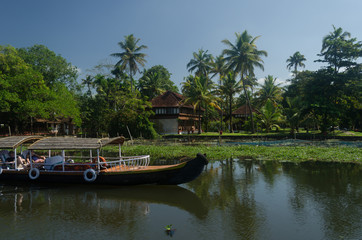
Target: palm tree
89 82
269 90
218 67
339 49
296 60
201 63
269 115
131 56
198 93
229 88
151 85
242 58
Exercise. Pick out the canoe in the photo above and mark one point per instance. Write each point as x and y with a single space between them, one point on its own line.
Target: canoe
66 163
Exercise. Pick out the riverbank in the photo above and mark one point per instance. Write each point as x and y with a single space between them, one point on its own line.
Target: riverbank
282 134
280 153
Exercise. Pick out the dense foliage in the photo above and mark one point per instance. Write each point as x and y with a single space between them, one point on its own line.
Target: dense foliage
24 93
36 83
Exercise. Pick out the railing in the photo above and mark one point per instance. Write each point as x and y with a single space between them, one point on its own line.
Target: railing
116 164
129 163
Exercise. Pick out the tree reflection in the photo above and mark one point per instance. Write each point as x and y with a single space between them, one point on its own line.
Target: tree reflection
229 186
334 190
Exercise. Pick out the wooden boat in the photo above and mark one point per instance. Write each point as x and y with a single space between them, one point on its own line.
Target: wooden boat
66 163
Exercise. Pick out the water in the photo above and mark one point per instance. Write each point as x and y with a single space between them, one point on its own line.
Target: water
232 199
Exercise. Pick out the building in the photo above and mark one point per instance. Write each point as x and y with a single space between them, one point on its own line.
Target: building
242 114
172 116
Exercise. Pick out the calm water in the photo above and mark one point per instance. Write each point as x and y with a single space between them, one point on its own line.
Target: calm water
231 200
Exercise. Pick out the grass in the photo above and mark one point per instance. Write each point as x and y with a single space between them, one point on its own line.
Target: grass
284 132
286 153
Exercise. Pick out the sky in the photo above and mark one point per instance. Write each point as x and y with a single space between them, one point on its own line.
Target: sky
86 32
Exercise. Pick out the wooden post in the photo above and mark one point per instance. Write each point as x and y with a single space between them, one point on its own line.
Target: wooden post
15 160
63 155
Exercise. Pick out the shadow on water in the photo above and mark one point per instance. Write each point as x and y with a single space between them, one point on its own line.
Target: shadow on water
101 197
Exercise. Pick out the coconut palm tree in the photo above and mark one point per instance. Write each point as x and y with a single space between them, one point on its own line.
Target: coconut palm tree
242 57
229 88
219 67
151 85
198 93
201 63
269 115
89 82
269 90
131 56
296 60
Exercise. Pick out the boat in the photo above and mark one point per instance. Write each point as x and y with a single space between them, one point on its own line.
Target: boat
84 160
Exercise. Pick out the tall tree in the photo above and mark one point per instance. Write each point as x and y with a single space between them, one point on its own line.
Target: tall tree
155 81
219 68
339 50
242 57
198 93
24 95
269 115
201 63
270 90
229 88
88 81
295 61
131 56
53 67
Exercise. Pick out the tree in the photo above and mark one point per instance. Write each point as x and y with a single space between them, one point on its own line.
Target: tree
131 56
242 57
198 93
339 50
269 115
24 94
114 108
229 88
155 81
54 68
295 61
218 67
269 91
201 63
88 81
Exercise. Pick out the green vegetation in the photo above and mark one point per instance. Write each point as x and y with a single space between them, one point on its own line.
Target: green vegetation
293 154
36 83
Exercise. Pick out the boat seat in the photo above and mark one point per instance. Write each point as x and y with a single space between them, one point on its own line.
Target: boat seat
50 162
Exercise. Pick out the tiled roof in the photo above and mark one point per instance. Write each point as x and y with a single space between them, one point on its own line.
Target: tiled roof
169 99
243 110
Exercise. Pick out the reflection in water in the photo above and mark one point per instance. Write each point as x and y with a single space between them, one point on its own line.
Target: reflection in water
233 199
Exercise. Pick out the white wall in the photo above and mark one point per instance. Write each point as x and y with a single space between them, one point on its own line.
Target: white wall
166 126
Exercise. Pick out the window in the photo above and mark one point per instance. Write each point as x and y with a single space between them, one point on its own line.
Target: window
160 111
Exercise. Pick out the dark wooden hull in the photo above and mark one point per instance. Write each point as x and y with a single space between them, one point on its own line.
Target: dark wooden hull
172 175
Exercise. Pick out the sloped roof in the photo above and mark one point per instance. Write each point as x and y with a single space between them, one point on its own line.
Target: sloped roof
243 110
65 143
15 141
169 99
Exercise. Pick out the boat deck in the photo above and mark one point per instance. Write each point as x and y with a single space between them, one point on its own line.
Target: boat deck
138 168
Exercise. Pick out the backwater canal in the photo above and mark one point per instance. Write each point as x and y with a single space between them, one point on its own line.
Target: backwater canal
232 199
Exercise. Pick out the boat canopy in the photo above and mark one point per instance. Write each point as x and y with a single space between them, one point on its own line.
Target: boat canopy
72 143
15 141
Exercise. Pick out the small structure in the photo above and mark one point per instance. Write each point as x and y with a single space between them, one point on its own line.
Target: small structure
172 116
242 113
58 126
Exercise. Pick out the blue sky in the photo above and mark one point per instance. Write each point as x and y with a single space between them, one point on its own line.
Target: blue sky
86 32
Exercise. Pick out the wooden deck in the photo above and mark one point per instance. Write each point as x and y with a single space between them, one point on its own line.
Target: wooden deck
142 168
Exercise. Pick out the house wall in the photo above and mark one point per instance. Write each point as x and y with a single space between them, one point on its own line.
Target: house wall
166 126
